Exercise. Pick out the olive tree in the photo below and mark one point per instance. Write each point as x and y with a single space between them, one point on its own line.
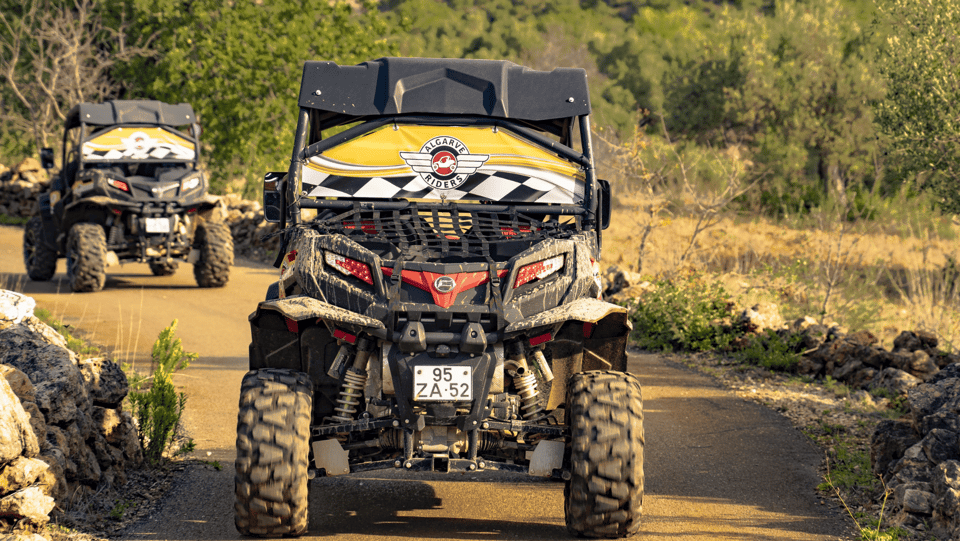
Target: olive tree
921 113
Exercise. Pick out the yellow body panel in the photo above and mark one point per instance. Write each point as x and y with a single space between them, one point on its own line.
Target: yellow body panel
138 143
378 153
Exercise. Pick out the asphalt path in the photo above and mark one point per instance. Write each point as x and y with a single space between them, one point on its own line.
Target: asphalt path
717 467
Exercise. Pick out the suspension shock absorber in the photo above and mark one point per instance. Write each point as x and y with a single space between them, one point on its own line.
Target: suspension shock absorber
350 394
526 383
354 380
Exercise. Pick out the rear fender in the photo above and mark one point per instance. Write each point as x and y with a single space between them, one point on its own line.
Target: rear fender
592 335
298 333
211 209
89 209
277 325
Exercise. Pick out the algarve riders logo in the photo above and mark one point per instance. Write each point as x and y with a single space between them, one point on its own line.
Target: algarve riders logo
444 162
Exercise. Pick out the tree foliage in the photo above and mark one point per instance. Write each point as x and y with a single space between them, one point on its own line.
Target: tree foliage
921 66
53 55
795 88
239 65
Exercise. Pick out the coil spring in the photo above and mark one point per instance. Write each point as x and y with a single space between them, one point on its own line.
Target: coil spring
353 384
116 235
527 389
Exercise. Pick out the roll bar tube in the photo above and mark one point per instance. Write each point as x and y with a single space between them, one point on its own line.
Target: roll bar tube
589 195
288 187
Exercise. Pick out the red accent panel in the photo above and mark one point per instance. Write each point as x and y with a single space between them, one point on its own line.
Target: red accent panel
344 335
537 340
587 329
424 280
292 325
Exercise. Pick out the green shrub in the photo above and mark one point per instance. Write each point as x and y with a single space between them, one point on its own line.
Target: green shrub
158 409
687 313
77 345
773 351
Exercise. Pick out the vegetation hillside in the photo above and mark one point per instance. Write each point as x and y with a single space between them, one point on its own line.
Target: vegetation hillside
816 121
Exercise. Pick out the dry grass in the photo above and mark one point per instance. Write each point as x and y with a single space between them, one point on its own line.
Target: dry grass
860 276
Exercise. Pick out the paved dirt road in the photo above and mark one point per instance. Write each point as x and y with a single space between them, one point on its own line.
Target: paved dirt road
717 467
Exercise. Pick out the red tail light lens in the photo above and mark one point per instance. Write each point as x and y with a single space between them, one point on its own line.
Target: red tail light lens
510 232
366 226
350 267
118 184
538 270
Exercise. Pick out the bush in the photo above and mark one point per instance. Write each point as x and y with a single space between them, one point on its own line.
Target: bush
683 314
773 351
158 409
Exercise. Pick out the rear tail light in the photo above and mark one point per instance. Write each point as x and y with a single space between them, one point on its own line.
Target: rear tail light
366 226
510 232
538 270
118 184
350 267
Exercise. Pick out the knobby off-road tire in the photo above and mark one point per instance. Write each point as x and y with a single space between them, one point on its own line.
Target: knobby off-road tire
604 497
40 261
86 257
163 268
216 254
273 438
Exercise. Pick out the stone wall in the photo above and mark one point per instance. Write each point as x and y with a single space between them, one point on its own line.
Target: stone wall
918 456
63 433
20 187
248 227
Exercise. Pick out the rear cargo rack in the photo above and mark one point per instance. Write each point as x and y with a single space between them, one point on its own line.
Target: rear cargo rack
448 230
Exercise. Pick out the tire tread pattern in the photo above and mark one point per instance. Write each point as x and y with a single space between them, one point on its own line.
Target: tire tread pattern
40 261
215 243
86 257
273 438
604 497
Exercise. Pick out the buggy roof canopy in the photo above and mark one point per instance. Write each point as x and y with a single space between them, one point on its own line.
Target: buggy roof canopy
410 86
131 112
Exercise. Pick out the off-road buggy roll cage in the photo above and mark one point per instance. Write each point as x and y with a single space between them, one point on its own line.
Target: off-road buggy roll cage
448 226
92 118
442 92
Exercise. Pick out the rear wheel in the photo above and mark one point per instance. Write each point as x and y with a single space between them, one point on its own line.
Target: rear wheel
38 258
215 243
273 440
163 268
604 497
86 257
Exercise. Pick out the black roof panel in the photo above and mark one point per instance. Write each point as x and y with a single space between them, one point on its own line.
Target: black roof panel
496 88
131 111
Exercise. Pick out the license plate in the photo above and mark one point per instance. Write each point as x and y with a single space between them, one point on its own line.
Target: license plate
448 383
158 225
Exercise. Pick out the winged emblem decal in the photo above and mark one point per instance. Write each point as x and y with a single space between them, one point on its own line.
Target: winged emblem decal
444 162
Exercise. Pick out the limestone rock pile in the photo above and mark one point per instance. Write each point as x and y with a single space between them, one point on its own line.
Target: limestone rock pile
621 285
856 360
20 187
918 456
248 228
63 434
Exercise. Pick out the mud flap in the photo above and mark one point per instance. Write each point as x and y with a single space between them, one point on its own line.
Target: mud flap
330 456
546 457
